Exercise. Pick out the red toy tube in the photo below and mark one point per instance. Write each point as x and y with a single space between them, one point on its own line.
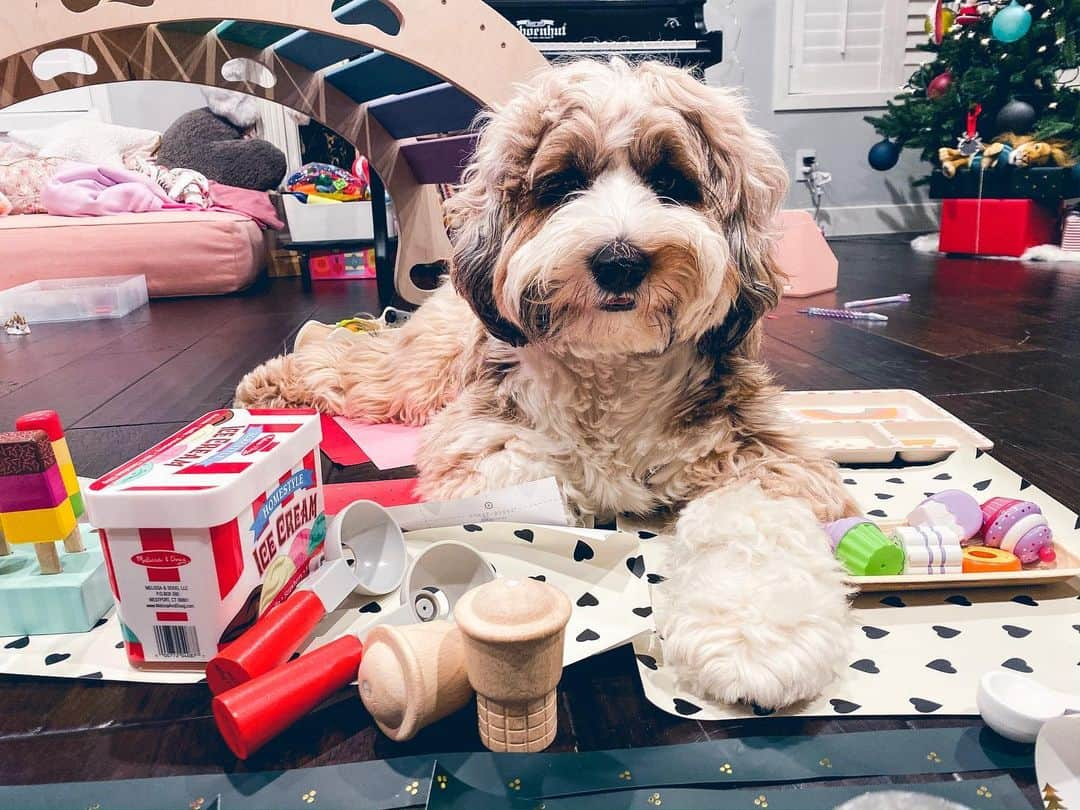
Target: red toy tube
267 644
255 712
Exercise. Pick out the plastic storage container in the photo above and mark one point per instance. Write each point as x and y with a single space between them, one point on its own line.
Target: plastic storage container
74 299
209 529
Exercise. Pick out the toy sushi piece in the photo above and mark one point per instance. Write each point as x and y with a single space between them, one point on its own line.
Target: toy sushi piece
1019 527
986 560
930 549
863 548
951 508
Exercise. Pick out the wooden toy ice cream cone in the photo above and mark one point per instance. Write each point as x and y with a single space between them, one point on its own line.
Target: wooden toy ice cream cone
513 632
413 676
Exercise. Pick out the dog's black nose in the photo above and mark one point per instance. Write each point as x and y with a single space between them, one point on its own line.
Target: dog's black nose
619 267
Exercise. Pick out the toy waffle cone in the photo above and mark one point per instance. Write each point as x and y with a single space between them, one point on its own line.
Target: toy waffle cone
514 632
865 551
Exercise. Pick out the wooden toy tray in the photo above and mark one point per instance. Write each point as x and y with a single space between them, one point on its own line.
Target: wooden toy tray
876 426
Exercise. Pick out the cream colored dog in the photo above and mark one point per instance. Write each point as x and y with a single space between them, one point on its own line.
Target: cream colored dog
611 264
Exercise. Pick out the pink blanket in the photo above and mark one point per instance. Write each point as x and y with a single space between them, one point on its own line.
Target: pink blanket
82 190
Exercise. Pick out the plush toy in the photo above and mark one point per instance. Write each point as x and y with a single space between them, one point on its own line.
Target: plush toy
1007 149
217 141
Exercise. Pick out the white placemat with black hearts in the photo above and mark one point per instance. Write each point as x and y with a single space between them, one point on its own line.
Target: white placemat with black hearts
602 573
920 652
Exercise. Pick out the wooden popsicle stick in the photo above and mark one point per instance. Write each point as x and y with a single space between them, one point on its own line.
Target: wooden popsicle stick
48 559
73 543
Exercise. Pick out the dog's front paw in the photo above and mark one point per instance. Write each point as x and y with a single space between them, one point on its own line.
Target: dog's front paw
755 609
271 385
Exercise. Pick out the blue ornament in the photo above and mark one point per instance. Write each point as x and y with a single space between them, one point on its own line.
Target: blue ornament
1011 23
883 155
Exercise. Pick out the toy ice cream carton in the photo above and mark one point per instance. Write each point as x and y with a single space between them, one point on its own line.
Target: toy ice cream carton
209 529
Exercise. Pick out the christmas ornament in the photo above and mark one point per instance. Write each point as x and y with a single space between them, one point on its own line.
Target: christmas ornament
938 21
970 143
883 155
968 15
939 85
1016 116
1011 23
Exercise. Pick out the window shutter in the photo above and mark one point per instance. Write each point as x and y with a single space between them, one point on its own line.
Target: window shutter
846 46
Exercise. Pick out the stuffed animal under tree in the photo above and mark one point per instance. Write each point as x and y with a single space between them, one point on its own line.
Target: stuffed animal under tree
1013 65
216 141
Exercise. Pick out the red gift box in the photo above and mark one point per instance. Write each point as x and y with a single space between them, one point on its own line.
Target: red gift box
995 227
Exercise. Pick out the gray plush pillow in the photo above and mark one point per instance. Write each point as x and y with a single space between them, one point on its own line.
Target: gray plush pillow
211 145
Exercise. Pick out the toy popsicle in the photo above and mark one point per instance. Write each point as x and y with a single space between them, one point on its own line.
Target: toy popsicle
514 632
34 504
49 421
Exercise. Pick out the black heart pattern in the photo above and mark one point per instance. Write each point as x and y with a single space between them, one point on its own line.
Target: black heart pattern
99 623
583 551
685 707
119 645
878 513
643 612
1076 526
979 453
643 535
18 643
636 566
850 482
982 485
958 599
525 534
587 600
539 578
647 661
946 632
472 527
1024 483
924 706
874 632
93 676
371 607
893 601
1014 631
761 711
883 496
942 665
588 635
894 480
1017 664
942 477
866 665
1076 627
655 579
1024 599
843 706
56 658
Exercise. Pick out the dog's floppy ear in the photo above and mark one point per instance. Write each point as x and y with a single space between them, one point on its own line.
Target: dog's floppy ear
476 219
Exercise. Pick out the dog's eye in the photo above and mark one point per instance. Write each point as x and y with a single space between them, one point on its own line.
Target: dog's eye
669 184
553 189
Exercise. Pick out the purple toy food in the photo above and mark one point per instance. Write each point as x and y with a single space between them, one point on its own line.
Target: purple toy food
1018 526
951 507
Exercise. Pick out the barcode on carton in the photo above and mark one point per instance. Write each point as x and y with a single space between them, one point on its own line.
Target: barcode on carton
176 641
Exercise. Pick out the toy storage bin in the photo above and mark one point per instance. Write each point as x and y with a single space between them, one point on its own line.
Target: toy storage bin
74 299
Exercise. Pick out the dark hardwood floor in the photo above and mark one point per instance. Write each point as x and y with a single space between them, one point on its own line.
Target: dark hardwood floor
995 342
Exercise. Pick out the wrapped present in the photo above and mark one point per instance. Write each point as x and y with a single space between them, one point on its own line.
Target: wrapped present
992 227
1049 183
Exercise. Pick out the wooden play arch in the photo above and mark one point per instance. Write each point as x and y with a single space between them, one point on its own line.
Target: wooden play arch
392 76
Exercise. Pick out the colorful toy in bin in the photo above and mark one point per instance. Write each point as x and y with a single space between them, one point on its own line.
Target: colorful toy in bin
1019 527
863 548
952 509
34 503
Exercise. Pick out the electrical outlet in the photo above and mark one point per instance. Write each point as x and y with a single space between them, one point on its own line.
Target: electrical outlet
804 161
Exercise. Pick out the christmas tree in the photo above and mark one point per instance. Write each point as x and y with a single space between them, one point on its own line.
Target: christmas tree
1016 67
1051 798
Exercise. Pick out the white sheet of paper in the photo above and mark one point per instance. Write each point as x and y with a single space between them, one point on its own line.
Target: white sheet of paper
536 502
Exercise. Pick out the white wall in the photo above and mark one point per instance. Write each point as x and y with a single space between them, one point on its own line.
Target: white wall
859 199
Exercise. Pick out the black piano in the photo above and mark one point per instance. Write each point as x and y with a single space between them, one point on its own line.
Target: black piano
673 30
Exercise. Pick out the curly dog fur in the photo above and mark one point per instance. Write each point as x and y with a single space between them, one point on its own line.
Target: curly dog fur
612 261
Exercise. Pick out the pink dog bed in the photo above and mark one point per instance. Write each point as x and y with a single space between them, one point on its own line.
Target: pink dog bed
179 252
